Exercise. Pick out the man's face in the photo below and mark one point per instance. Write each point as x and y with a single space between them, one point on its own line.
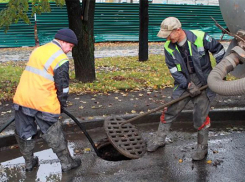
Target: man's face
66 46
174 36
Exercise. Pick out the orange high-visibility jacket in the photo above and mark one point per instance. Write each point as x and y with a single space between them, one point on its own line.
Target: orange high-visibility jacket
36 88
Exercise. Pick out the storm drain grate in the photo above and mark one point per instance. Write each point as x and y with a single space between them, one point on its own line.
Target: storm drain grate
124 138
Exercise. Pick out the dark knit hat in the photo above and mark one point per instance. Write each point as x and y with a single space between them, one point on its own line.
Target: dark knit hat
66 35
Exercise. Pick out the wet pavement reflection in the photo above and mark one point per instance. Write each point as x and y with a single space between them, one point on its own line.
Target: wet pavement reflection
224 162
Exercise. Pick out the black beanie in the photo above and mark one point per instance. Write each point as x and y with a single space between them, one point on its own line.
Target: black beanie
66 35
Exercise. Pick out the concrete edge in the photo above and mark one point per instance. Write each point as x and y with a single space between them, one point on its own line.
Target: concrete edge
217 115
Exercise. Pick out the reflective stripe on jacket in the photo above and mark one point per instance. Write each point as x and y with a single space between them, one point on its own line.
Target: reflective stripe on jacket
36 89
200 44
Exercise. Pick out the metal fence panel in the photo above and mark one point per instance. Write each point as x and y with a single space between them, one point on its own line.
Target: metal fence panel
49 23
116 22
19 34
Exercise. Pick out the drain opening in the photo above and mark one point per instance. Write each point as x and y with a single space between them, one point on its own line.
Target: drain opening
108 152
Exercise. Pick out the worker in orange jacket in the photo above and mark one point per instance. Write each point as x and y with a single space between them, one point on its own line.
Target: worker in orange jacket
42 91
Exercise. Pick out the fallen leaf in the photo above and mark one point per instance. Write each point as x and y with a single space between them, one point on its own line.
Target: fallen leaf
87 150
133 111
180 160
215 151
77 151
209 162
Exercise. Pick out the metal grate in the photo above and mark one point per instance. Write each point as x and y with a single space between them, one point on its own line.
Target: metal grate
124 138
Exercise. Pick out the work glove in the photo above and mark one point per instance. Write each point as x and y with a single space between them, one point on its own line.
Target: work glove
193 89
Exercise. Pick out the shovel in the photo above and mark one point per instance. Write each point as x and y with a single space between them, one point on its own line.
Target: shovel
125 138
161 107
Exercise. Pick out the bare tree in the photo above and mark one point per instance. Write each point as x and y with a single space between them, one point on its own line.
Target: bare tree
81 20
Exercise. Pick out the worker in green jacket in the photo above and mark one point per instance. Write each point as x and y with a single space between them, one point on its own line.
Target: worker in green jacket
187 57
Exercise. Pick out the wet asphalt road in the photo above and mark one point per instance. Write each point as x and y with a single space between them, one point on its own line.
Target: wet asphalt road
225 161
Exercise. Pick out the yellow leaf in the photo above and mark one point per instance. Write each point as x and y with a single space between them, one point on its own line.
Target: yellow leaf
133 111
180 160
209 162
87 150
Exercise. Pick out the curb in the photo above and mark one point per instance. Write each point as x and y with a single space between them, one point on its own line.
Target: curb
217 116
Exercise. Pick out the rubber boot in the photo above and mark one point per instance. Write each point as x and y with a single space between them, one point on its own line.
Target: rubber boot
26 149
159 139
56 140
202 145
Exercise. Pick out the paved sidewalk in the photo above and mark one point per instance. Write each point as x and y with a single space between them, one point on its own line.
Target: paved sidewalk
101 50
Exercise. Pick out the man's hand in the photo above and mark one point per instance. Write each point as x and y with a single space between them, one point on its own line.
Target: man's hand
193 89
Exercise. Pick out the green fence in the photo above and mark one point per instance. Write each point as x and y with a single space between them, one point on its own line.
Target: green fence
18 35
115 22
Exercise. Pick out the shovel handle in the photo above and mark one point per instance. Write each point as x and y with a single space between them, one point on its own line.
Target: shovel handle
161 107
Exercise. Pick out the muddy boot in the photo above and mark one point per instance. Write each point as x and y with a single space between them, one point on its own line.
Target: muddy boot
56 140
26 149
202 145
159 139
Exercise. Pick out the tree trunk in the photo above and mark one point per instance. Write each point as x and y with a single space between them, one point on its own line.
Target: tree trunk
81 21
143 34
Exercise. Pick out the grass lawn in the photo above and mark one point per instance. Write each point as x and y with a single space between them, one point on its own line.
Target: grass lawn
112 75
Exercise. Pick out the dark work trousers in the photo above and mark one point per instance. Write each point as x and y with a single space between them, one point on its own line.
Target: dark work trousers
201 106
26 125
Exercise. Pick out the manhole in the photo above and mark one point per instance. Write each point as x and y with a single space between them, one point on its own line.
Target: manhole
124 138
108 152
